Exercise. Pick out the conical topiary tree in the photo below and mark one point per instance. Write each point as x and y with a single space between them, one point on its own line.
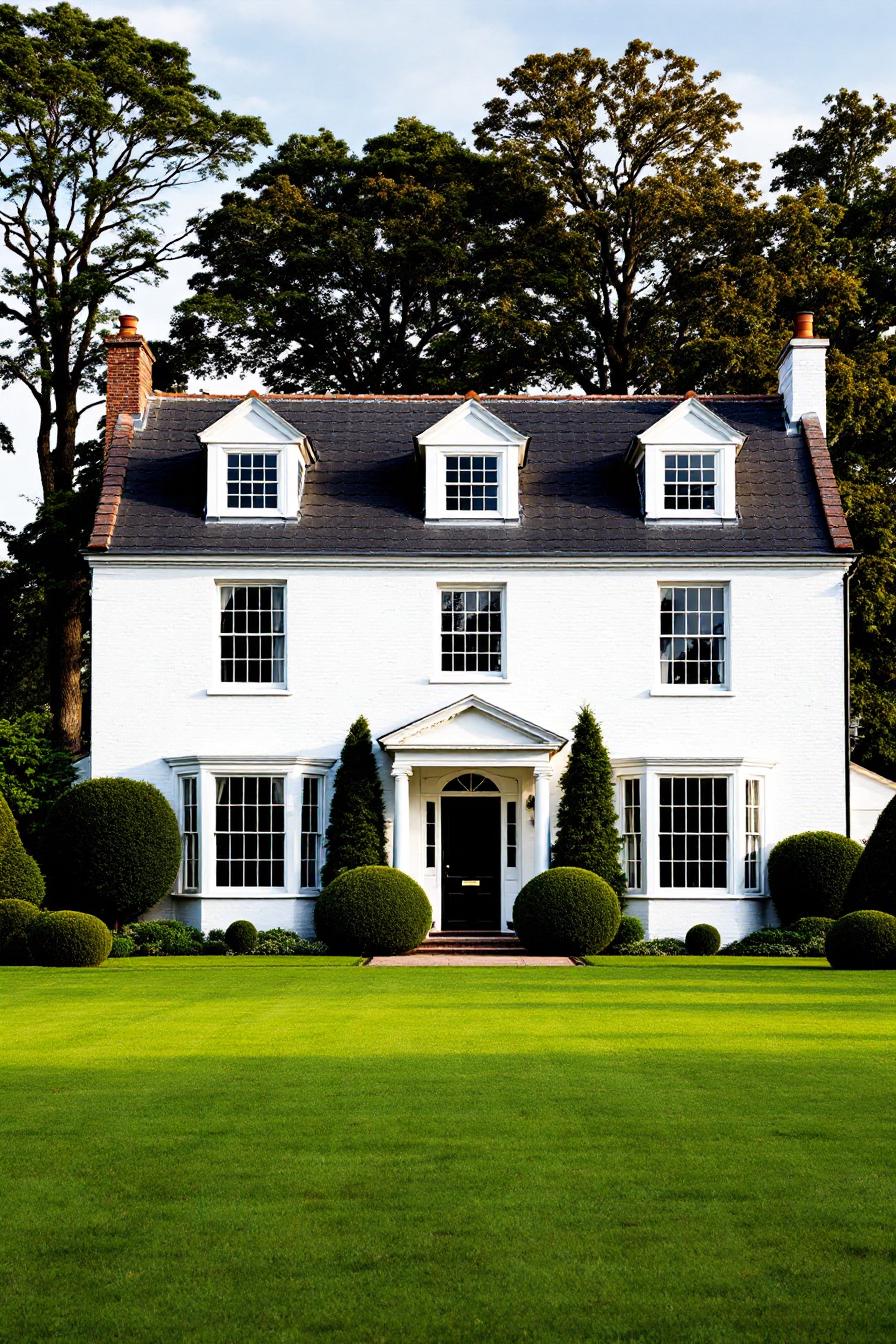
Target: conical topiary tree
586 818
20 877
873 882
356 834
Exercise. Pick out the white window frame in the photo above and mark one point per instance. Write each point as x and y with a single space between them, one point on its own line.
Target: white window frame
711 689
181 887
251 426
237 892
218 687
470 678
715 456
622 781
737 771
472 430
321 779
759 780
474 515
689 427
256 450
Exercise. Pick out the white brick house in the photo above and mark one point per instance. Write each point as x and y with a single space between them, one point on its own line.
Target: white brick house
467 573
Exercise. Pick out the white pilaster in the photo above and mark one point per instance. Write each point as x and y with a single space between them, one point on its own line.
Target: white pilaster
401 822
542 818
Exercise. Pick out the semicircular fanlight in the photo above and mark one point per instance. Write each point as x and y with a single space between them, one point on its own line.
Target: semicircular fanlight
471 784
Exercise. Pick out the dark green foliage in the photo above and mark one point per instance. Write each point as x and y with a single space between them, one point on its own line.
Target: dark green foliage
356 834
216 935
113 848
241 936
812 932
630 930
216 947
20 877
285 943
69 938
873 882
803 939
703 940
16 917
586 818
657 947
165 938
33 771
808 874
122 946
864 940
372 909
566 911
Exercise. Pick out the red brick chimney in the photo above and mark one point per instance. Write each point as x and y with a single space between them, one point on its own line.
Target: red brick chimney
129 375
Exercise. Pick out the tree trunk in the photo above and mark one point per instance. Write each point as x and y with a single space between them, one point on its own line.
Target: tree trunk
65 605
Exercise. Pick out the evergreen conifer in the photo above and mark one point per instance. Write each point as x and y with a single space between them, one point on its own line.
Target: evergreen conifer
586 818
356 834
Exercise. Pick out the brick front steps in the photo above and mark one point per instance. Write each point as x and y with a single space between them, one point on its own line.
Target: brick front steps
473 942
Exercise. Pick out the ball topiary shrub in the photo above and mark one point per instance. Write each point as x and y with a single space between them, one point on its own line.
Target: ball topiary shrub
864 940
808 874
373 910
566 912
69 938
241 936
873 882
112 847
15 920
122 946
630 931
20 877
703 940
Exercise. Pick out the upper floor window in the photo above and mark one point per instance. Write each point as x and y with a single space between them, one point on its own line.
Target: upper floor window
694 635
252 481
690 481
472 631
253 634
471 484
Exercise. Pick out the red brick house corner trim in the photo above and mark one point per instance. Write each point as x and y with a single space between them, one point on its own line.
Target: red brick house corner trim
114 471
828 490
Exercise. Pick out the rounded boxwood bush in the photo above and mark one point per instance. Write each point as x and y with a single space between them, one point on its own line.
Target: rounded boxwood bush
373 910
808 874
864 940
703 940
20 877
112 848
241 936
873 882
15 920
566 912
69 938
122 946
630 931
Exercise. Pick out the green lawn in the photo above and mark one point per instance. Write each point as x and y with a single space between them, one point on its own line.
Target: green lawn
275 1149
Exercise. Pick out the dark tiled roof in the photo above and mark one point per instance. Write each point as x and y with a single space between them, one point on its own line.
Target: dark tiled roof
365 496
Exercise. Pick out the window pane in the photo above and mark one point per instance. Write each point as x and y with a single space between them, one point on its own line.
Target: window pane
689 481
249 831
309 842
631 832
189 811
752 836
472 621
693 636
253 642
471 484
251 480
693 837
430 835
511 835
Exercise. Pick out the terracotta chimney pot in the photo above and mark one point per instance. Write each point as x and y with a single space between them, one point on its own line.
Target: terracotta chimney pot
127 324
471 396
804 327
129 372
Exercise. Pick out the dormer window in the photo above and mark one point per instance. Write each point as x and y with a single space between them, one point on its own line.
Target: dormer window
256 464
472 461
685 463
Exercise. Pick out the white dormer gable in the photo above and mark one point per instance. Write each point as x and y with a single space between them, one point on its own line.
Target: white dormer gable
256 463
472 460
686 466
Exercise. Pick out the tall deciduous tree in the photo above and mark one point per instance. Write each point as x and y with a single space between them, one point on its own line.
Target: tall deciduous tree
98 125
586 817
356 833
662 224
417 265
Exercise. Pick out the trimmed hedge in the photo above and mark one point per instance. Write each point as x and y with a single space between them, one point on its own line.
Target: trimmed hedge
112 848
241 936
864 940
20 877
285 943
808 874
703 940
16 917
165 938
630 930
122 946
566 912
372 910
69 938
657 947
873 882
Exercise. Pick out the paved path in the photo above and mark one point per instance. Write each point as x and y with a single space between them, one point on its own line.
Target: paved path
466 959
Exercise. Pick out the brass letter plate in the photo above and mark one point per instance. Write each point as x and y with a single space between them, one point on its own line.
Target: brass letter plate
470 882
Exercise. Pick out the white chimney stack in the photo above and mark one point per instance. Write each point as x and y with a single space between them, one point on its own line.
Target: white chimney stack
801 377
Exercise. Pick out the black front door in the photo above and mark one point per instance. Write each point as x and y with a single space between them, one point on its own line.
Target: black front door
471 863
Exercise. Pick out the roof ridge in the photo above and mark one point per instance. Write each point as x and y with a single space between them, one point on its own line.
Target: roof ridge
460 396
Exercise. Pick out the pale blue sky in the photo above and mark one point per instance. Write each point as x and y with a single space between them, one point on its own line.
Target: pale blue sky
354 67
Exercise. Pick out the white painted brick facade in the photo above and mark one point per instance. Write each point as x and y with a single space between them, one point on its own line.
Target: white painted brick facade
363 639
